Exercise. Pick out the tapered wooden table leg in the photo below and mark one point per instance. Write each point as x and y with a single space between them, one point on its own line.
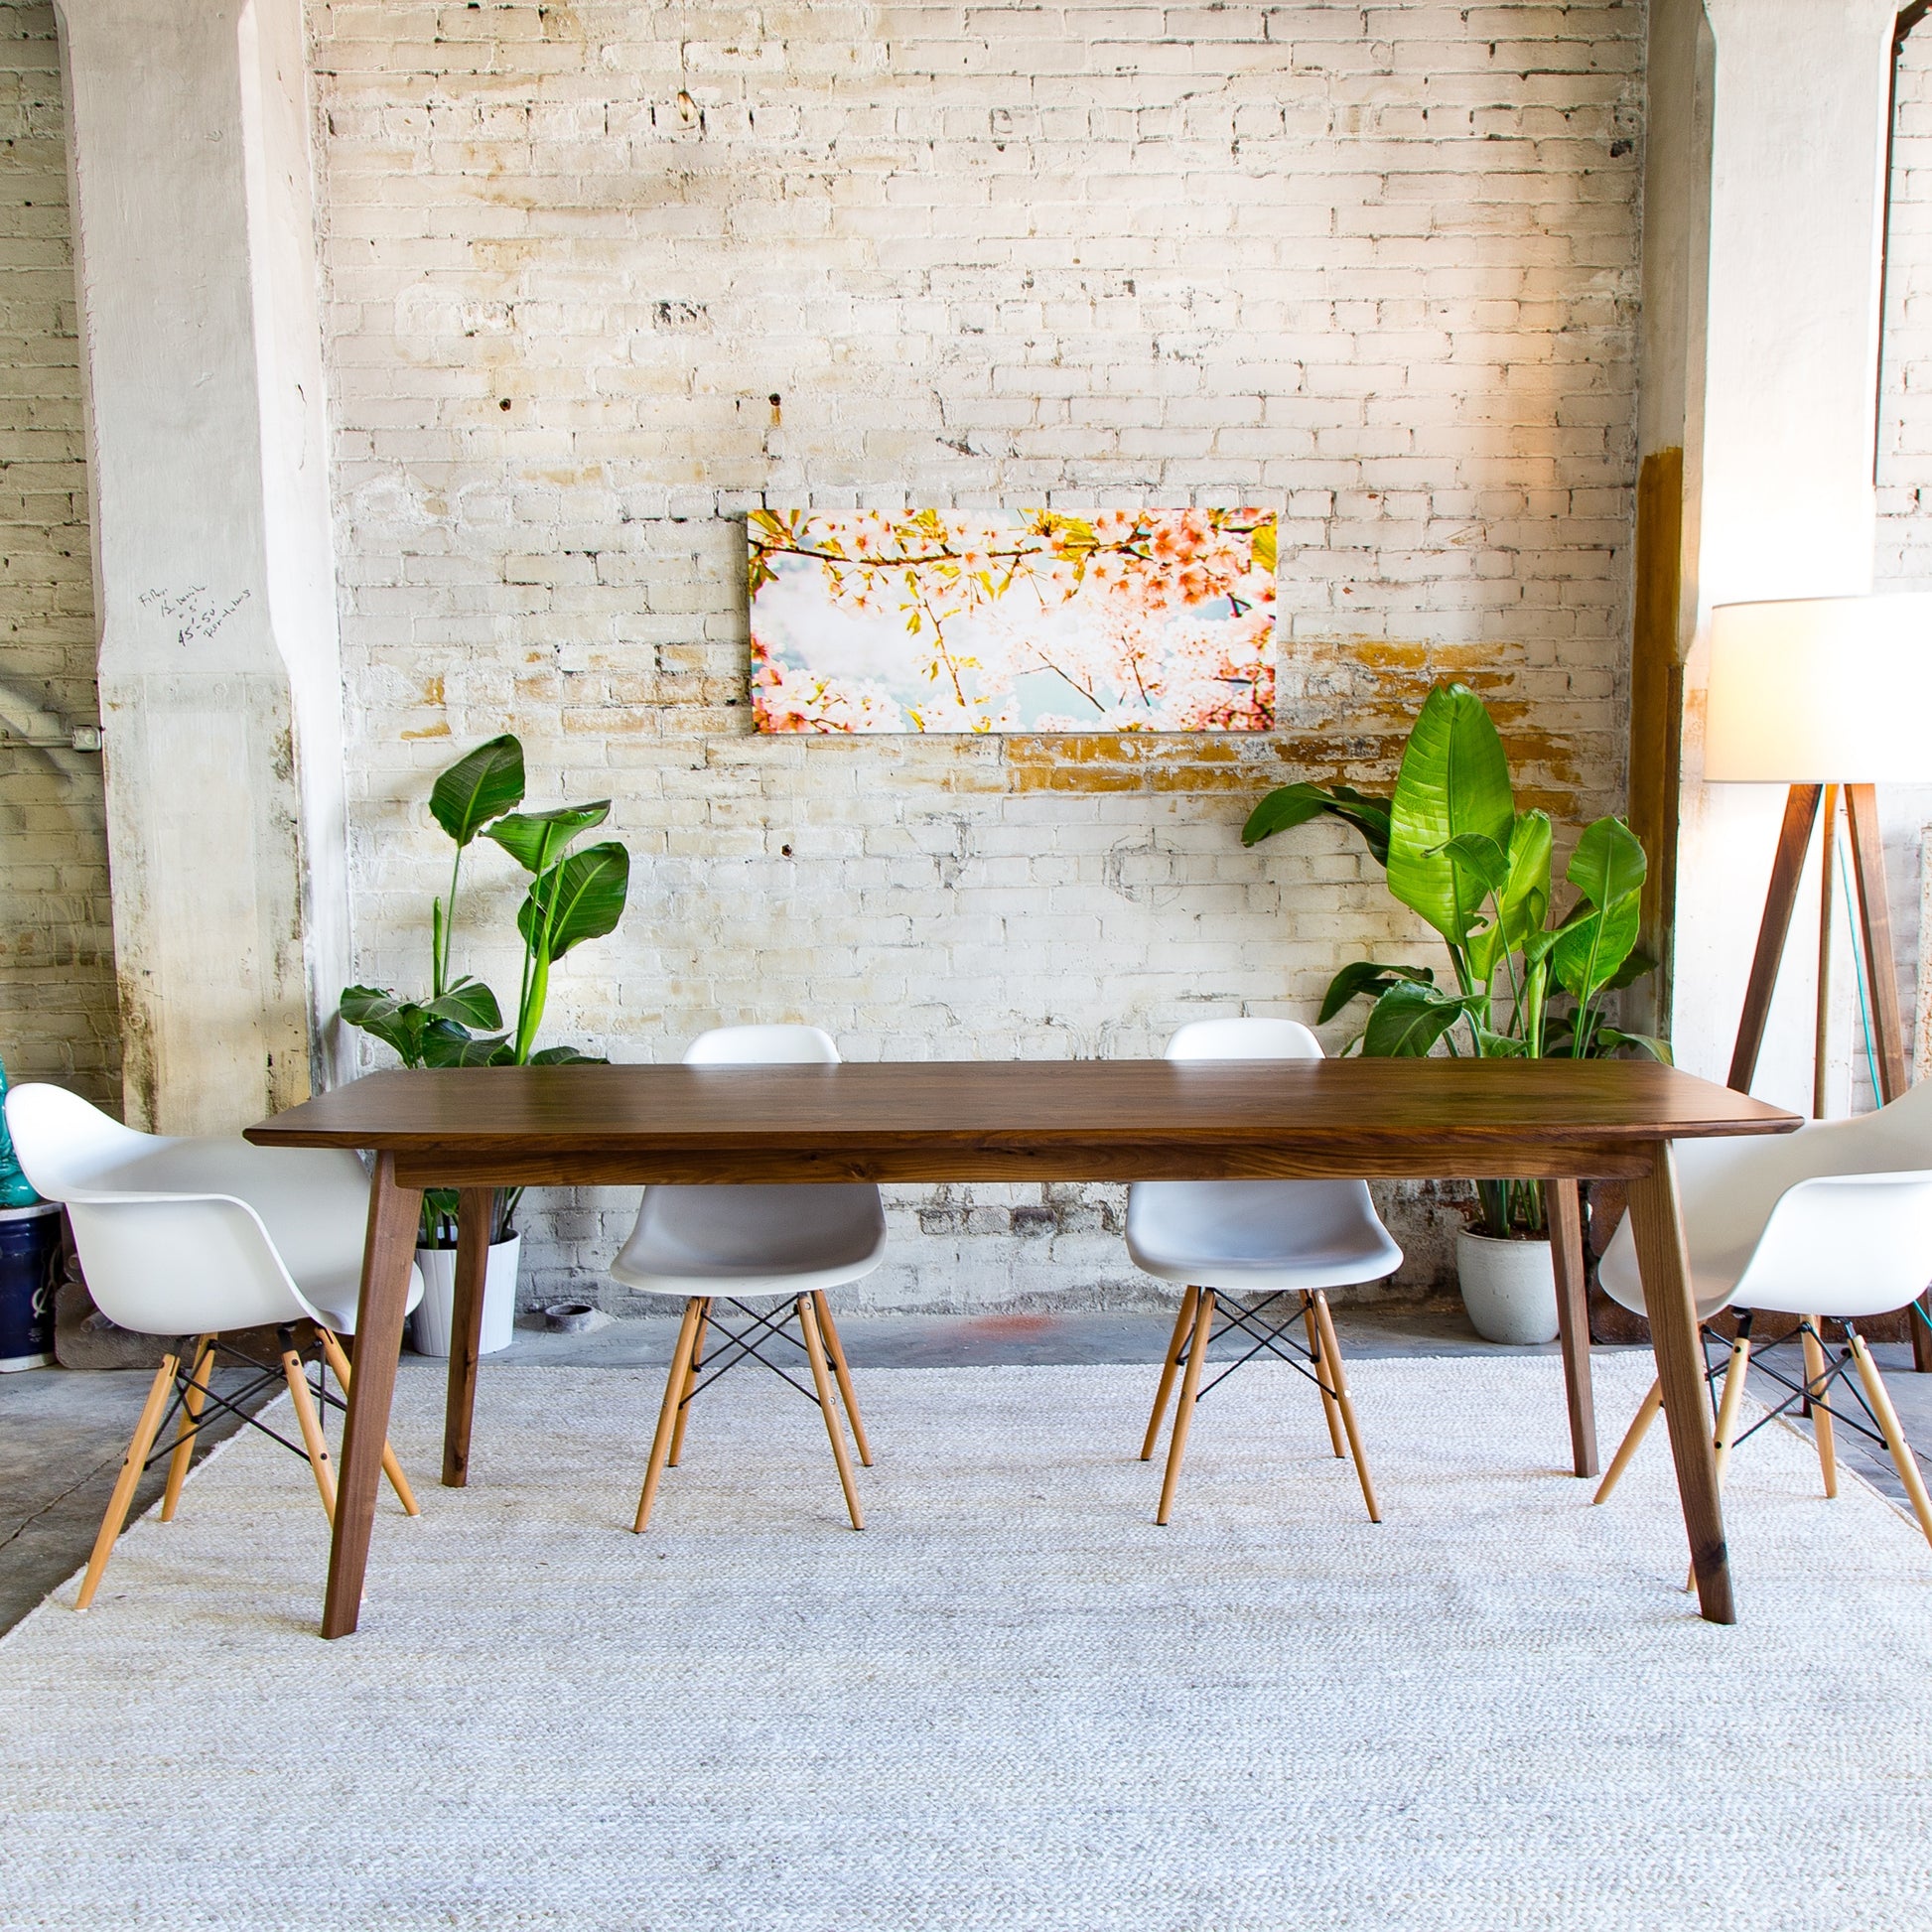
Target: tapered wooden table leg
1563 1211
387 1260
475 1209
1658 1226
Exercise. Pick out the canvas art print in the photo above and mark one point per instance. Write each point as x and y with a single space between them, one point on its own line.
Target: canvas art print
1018 620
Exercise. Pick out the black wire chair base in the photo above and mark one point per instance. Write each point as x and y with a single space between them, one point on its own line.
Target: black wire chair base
179 1422
1804 1394
748 1344
1232 1315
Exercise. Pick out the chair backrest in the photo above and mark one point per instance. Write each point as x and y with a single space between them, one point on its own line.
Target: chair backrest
1759 1209
66 1146
779 1046
168 1240
1244 1040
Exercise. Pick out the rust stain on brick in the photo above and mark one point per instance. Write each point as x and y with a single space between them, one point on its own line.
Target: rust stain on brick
1360 743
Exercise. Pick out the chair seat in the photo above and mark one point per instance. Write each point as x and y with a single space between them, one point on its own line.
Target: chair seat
1713 1276
334 1297
1258 1236
748 1240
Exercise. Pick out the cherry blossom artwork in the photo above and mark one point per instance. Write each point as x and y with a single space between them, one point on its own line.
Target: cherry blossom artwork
1017 620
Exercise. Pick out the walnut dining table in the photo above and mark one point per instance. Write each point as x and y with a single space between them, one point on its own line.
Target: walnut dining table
479 1129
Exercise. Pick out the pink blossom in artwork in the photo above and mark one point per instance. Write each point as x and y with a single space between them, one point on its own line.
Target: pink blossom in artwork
1023 620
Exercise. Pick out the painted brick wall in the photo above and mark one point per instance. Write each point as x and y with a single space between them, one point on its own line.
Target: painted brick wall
601 277
57 963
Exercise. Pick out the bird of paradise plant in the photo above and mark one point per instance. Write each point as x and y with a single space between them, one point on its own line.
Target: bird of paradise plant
1457 852
572 896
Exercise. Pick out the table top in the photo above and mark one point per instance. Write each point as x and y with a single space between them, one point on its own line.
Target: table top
1054 1120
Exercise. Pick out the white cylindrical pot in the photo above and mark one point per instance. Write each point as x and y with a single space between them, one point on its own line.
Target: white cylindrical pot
435 1315
1508 1287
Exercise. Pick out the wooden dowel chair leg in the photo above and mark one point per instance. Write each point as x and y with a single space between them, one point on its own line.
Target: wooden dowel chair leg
1183 1416
1184 1321
192 1399
690 1384
338 1360
1902 1450
129 1478
1332 1350
835 1348
1634 1436
1735 1371
1329 1407
822 1382
674 1386
313 1439
1820 1421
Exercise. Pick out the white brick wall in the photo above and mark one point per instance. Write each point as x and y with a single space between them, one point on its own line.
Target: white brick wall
56 965
599 277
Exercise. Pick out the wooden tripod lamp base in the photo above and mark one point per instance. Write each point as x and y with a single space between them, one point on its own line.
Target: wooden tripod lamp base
1839 685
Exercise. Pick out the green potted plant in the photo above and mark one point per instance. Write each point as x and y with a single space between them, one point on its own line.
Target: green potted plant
1528 984
573 895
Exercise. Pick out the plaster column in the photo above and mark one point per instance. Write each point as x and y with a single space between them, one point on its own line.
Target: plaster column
214 586
1764 222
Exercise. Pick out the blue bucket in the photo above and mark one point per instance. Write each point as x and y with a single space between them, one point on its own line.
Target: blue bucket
30 1274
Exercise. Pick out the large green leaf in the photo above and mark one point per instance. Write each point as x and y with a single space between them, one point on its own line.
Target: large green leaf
535 840
1366 976
1615 1037
1520 895
1607 863
480 787
1526 893
1408 1019
1590 948
1632 971
1607 869
397 1022
1295 804
581 898
469 1003
454 1051
1455 781
567 1057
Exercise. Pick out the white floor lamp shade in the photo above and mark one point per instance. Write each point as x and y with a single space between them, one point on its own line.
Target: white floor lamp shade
1820 690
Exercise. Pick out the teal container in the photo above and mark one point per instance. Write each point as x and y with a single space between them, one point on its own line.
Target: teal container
30 1276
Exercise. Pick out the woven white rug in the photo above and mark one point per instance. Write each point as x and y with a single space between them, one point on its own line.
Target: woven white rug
1013 1702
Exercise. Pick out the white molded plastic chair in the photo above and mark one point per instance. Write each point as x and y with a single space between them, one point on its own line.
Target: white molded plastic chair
1230 1241
1831 1222
191 1239
706 1244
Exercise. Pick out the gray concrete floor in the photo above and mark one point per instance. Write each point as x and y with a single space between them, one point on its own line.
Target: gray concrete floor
63 1433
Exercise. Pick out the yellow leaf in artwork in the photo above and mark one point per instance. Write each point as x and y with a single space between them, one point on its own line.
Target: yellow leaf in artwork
1264 543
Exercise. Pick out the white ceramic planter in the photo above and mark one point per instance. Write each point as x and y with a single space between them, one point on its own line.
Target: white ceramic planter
435 1315
1508 1287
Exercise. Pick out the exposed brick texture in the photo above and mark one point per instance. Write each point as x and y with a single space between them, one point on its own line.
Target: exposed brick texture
599 277
56 965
